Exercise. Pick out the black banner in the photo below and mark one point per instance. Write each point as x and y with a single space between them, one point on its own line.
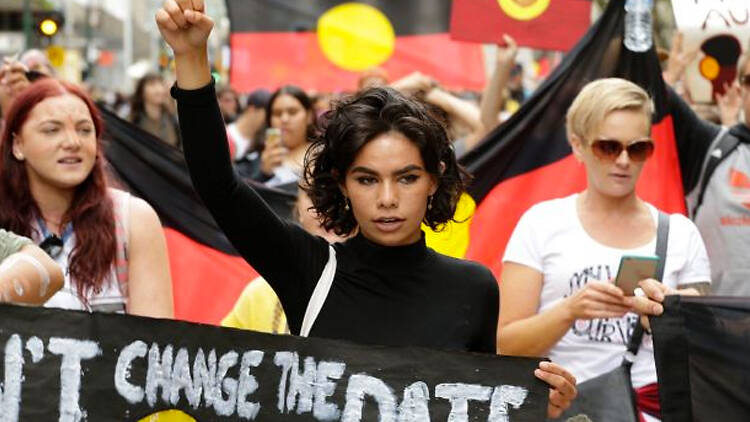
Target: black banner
71 366
702 352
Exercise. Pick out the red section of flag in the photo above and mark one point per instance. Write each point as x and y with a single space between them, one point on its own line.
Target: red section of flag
206 283
660 184
269 60
559 27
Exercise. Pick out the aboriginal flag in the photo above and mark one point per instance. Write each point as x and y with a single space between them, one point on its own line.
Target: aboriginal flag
527 159
326 44
544 24
207 274
701 345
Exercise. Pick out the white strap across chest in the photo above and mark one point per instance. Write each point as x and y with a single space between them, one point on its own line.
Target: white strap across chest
320 293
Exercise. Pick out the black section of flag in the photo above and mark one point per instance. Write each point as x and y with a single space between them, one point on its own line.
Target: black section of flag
535 135
408 17
157 173
701 348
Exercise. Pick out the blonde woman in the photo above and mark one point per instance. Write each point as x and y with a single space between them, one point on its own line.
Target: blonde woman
557 295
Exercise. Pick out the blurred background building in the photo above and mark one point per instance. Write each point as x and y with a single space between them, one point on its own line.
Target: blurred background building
106 43
109 44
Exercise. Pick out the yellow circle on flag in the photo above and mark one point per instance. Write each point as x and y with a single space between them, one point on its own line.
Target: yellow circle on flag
168 416
524 10
709 68
356 36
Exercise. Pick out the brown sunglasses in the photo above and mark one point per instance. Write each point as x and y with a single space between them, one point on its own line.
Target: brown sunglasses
745 80
609 149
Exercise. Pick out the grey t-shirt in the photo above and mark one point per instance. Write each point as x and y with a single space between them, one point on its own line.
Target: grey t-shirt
11 243
723 220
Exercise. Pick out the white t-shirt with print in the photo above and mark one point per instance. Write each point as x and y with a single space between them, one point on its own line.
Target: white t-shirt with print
550 239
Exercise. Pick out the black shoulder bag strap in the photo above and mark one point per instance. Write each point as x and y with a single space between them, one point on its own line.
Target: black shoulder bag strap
662 237
717 153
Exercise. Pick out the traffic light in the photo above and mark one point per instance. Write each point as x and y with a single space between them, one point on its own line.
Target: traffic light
48 23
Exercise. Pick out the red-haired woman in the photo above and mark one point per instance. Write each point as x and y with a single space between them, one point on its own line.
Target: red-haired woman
53 189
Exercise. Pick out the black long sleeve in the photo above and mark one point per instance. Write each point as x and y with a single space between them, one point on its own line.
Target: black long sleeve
290 259
400 296
693 136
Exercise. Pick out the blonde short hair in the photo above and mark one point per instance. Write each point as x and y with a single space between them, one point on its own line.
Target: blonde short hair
598 99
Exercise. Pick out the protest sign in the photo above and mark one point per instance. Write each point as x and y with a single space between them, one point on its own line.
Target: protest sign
72 366
720 31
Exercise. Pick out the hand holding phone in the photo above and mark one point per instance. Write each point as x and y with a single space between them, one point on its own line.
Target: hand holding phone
633 269
274 153
273 137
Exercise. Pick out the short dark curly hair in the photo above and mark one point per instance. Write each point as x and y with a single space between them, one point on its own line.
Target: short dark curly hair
357 120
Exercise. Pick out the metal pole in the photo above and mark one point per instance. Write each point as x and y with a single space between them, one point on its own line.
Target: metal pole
27 24
88 34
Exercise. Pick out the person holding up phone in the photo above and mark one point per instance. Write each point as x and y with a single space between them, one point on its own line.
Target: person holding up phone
557 294
289 118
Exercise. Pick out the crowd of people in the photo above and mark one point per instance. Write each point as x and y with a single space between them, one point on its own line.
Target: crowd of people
373 170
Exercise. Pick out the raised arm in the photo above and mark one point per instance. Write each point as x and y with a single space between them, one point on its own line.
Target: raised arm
287 257
457 108
492 98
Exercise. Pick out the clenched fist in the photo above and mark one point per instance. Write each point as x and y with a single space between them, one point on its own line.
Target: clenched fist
184 25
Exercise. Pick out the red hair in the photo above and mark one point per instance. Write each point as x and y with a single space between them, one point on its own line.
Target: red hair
91 211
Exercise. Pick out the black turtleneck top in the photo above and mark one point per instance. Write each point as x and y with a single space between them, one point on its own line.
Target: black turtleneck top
399 296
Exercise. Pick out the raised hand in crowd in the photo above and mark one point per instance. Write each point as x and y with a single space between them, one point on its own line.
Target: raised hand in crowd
458 110
730 104
12 81
494 91
679 59
185 27
414 83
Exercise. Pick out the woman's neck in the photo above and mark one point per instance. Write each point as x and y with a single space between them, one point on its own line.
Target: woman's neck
597 203
53 204
296 155
153 111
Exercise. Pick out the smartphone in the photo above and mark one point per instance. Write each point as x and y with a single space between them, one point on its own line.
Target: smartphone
634 269
273 137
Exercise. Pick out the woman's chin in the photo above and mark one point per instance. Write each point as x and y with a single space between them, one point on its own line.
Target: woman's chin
392 237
